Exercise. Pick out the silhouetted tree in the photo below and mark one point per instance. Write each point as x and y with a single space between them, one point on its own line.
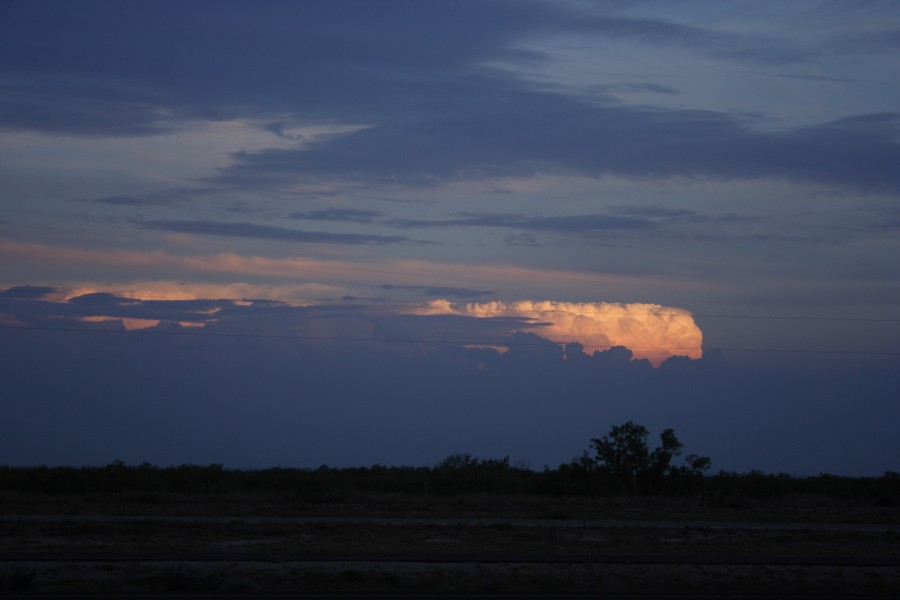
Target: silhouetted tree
697 465
670 448
624 453
660 468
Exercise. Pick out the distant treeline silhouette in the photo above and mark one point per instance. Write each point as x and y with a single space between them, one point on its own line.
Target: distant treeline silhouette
458 474
623 464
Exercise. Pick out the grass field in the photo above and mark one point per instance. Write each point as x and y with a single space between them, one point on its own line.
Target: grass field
694 536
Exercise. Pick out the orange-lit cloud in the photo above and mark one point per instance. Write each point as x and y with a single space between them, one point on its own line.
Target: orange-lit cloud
143 264
651 331
241 293
130 324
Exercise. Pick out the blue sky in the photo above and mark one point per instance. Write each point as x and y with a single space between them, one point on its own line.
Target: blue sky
730 160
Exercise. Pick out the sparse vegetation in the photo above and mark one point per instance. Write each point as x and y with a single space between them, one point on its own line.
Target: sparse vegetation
17 579
385 576
588 488
623 464
623 454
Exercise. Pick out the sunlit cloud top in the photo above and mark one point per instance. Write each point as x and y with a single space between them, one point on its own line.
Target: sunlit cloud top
651 331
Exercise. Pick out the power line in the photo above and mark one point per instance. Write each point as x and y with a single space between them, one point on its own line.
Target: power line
324 338
486 343
627 313
685 314
781 318
804 351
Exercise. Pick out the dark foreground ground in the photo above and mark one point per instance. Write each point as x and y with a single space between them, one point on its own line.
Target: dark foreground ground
470 544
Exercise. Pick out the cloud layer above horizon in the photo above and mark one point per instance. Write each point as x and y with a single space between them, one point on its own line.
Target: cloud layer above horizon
649 330
548 176
263 384
663 153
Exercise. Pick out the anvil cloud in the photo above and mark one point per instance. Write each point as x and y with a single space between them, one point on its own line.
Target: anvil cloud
649 330
547 176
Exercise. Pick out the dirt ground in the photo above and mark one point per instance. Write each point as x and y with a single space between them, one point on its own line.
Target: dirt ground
808 508
694 536
498 578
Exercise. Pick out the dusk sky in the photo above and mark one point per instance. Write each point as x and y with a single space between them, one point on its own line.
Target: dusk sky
358 232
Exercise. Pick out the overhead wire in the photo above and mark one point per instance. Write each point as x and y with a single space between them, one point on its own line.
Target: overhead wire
426 306
461 342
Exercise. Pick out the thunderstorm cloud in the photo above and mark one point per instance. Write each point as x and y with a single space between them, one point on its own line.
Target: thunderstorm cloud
651 331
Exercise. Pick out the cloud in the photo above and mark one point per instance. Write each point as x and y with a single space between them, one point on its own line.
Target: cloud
61 105
645 218
749 48
338 214
651 88
27 291
791 239
441 291
128 324
433 110
105 308
164 198
522 239
137 200
293 294
649 330
123 82
304 397
547 133
265 232
283 131
805 77
559 224
662 213
118 262
884 40
533 402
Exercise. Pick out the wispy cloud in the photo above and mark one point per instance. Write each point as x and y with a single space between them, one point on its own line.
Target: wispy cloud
63 105
27 291
432 111
569 223
522 239
146 264
642 88
338 214
549 133
744 47
166 198
805 76
266 232
439 291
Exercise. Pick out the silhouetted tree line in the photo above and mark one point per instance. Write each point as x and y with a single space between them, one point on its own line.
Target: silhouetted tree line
622 463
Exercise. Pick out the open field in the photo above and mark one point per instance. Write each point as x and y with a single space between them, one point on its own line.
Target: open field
791 508
462 544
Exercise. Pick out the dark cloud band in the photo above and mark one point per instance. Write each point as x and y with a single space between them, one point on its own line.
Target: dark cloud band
266 232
